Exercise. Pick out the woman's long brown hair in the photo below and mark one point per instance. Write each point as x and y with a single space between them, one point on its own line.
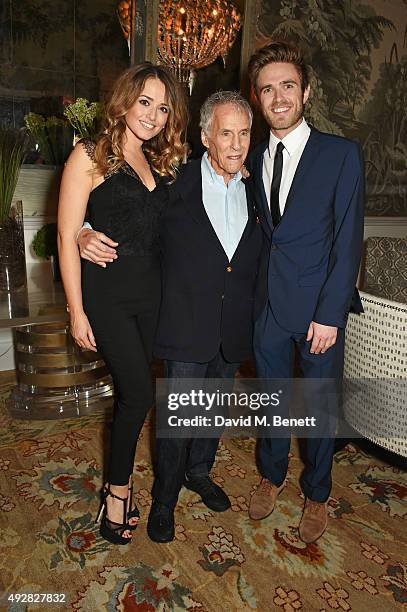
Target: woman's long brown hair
165 150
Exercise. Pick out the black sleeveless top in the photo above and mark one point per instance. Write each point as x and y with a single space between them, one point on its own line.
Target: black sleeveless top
125 210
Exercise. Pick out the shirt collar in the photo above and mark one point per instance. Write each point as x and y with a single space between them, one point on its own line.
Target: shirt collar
209 172
292 141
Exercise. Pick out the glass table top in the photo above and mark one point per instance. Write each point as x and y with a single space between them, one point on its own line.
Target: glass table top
42 300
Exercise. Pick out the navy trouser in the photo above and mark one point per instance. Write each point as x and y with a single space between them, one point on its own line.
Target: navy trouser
274 352
177 457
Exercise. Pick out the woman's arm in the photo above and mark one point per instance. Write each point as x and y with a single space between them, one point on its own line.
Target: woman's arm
76 186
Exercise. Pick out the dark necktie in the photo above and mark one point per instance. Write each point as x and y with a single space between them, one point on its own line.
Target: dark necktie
275 185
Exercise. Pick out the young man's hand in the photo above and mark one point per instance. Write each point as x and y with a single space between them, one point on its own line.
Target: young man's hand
96 247
323 337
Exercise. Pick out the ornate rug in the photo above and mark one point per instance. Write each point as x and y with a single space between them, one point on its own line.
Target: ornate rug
50 475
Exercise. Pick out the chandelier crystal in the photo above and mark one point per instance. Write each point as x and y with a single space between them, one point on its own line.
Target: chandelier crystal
192 34
124 11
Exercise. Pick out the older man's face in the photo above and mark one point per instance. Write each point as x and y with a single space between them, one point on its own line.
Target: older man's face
229 139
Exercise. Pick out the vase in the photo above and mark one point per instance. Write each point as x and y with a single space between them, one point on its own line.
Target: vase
12 252
56 273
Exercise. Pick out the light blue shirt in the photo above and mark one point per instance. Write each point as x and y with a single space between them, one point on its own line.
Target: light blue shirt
225 206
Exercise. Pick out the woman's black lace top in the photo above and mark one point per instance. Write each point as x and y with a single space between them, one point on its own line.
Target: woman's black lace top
125 210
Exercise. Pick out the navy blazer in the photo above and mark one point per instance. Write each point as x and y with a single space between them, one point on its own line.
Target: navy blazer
207 302
310 260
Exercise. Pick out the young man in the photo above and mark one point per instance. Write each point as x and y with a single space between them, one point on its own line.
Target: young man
210 242
309 191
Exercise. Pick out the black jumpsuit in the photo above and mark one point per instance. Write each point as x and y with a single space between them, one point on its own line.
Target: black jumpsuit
122 301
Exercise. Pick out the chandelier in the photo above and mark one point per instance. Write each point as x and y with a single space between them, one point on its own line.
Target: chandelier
191 33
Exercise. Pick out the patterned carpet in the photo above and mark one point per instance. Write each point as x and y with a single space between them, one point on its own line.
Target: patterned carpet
51 471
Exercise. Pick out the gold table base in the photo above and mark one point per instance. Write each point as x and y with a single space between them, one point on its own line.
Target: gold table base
56 379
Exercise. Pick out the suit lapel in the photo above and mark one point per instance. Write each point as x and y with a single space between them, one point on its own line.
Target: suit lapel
191 193
259 187
251 217
306 161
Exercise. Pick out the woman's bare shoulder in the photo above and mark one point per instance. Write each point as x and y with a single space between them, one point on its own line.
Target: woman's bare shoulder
80 159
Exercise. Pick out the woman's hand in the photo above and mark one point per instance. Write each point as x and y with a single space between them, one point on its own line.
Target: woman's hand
82 332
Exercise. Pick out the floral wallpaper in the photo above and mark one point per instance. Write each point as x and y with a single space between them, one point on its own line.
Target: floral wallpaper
358 54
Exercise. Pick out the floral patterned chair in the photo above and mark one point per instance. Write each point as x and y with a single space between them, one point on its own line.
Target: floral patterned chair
376 348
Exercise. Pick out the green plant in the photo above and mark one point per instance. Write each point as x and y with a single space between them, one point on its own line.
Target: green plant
84 117
53 137
45 241
13 146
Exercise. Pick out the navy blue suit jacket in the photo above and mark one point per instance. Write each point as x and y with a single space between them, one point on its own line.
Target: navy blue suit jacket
310 260
207 301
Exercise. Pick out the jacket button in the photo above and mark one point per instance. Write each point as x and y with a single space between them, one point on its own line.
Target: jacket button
229 269
274 247
223 296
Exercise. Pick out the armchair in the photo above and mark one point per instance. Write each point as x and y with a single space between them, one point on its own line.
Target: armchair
376 348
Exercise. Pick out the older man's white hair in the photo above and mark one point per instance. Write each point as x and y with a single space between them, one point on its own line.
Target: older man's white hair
219 98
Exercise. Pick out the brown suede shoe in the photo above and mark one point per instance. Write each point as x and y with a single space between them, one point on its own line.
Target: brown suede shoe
314 521
263 499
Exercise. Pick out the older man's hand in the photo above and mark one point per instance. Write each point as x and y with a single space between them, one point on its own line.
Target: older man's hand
96 247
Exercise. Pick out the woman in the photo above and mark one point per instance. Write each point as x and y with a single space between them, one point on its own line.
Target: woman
122 181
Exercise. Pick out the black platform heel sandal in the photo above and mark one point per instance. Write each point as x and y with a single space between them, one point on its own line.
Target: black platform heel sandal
110 530
135 513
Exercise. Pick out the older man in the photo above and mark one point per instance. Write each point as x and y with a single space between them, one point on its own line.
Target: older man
211 244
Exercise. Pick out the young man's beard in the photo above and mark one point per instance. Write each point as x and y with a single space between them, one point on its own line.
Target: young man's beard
290 121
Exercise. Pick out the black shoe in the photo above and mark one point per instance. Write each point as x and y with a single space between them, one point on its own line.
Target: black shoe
133 512
212 495
110 530
160 525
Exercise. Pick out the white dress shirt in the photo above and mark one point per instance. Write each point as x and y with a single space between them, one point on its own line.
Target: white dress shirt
294 144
